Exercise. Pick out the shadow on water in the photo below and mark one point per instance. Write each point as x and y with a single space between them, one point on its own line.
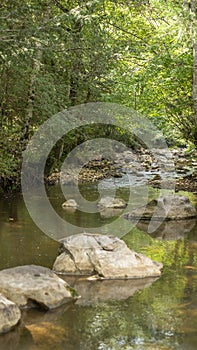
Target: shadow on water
146 314
21 242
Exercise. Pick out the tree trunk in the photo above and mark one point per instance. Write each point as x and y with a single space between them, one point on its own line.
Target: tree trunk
32 84
32 87
195 86
193 12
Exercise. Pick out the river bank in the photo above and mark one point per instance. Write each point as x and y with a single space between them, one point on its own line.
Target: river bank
137 164
140 163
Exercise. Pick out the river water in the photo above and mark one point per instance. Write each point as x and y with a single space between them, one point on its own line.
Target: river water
151 314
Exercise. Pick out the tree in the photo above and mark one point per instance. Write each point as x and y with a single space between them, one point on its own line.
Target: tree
154 69
58 53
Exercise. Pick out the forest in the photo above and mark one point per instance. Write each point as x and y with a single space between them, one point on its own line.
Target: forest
55 54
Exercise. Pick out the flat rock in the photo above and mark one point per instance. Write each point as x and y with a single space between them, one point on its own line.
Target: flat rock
110 202
32 285
9 314
164 208
104 256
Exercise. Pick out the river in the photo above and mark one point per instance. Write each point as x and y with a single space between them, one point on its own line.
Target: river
148 314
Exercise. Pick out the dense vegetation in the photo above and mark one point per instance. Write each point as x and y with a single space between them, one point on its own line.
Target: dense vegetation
59 53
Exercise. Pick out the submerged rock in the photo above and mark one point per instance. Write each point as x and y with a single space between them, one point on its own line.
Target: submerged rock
32 285
110 202
9 314
103 256
164 208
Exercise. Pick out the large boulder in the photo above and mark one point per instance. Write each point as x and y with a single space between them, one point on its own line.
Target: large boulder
9 314
104 256
164 208
32 285
110 202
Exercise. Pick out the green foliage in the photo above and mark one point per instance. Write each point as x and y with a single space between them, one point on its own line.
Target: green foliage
82 134
10 159
59 53
154 70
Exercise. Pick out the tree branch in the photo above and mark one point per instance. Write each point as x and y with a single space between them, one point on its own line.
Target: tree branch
60 6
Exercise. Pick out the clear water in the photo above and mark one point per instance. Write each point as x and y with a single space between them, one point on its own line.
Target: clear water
149 314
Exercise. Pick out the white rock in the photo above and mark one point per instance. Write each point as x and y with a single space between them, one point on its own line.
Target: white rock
70 203
9 314
105 256
110 202
31 284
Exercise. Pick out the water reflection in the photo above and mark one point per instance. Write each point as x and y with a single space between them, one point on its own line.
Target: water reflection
168 230
109 315
21 242
97 291
162 316
110 213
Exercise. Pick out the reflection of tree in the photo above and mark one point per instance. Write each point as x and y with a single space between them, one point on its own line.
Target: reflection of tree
21 241
18 339
189 268
178 247
8 210
150 316
161 314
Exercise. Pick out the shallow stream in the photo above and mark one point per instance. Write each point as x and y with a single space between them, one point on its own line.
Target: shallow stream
151 314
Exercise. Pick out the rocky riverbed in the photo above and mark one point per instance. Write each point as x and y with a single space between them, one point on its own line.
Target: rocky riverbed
155 167
95 256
